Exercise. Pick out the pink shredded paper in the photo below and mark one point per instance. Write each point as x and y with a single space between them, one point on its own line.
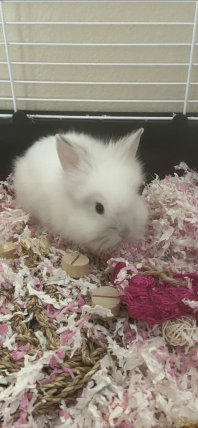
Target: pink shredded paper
142 382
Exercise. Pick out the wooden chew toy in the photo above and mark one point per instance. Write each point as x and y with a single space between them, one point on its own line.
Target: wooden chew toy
190 354
107 297
75 264
7 250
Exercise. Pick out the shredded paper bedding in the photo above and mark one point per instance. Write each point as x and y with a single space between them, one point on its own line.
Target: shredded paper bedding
64 363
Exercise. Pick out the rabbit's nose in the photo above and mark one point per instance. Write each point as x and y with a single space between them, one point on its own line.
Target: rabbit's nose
124 232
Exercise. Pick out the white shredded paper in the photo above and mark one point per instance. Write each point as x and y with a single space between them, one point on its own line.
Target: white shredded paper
141 382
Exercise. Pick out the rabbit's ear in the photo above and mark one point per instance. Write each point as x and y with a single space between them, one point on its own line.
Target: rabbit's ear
128 145
69 156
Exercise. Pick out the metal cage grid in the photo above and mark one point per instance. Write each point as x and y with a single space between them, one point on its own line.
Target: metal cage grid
12 81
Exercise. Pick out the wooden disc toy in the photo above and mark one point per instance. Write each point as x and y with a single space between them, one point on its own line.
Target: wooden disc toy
7 250
75 264
61 251
107 297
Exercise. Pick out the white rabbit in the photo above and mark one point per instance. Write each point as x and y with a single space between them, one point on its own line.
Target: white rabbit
84 189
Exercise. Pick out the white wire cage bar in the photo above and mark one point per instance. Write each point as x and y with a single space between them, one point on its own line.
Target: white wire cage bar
15 83
98 1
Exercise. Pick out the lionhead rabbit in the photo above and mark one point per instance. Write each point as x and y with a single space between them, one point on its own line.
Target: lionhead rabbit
84 189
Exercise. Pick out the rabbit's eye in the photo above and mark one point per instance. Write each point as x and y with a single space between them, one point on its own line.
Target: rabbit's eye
99 208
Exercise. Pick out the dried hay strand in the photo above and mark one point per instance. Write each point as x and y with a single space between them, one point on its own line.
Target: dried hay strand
83 366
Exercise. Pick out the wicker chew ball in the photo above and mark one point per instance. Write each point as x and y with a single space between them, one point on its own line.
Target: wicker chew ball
174 331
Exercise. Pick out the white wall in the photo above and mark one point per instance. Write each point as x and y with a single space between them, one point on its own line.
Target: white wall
174 76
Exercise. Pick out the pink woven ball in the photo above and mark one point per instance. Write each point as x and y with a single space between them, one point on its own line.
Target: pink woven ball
148 302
